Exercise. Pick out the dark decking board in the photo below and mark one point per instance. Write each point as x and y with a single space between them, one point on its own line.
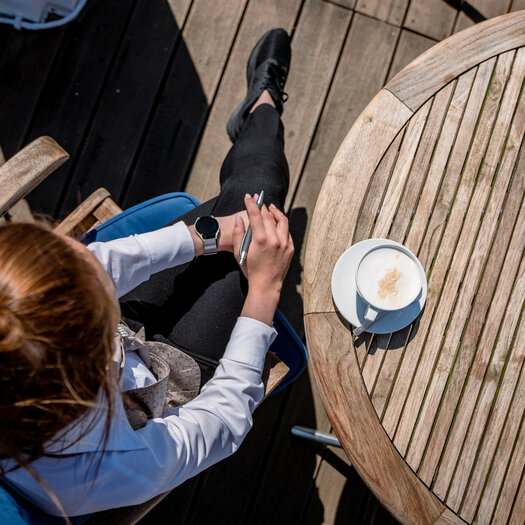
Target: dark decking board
138 92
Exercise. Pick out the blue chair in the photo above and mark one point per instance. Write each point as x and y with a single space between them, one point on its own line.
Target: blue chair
16 510
156 213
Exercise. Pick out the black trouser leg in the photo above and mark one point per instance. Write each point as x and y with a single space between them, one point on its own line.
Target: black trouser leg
195 306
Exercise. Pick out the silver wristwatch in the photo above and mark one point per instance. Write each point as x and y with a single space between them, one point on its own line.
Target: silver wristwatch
208 230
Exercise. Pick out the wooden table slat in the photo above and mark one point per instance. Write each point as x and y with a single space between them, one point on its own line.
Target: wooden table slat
440 238
401 172
458 121
483 352
433 69
516 501
487 394
485 189
461 233
384 382
376 125
485 316
400 493
497 479
423 161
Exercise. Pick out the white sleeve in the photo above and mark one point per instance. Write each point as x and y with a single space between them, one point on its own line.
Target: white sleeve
138 465
132 260
211 427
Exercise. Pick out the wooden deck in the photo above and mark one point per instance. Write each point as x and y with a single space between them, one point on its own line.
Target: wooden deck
139 92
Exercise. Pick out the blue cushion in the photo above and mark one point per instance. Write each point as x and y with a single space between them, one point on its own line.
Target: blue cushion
144 217
156 213
16 510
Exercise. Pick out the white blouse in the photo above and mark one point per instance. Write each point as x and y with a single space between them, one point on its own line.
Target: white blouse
186 440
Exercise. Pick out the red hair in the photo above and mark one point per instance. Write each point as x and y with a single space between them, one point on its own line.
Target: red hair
57 327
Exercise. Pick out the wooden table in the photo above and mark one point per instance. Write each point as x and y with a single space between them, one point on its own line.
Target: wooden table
432 416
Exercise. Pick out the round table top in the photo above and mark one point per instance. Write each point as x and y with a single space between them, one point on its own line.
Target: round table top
431 416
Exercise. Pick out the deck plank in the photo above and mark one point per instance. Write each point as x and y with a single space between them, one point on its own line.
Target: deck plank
316 45
203 181
173 135
116 130
25 62
369 43
410 46
432 18
392 12
70 95
343 52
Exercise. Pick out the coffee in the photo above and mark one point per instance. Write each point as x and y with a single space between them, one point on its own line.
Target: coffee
388 278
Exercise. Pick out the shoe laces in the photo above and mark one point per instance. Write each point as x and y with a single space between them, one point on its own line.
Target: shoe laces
276 76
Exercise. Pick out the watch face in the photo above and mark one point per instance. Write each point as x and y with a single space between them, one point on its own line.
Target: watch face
207 226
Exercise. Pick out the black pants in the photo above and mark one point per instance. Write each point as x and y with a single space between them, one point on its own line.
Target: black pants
195 306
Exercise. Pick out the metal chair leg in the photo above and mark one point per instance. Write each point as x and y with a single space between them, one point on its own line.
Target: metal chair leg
316 435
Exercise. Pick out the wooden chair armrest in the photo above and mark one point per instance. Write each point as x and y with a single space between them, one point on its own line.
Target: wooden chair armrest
25 170
96 209
273 373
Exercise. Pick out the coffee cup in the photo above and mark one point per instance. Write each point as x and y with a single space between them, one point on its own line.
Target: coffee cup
388 278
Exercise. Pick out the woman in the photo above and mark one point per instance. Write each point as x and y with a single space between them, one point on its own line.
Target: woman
69 443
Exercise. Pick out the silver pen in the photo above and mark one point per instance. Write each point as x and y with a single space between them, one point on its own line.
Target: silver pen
247 239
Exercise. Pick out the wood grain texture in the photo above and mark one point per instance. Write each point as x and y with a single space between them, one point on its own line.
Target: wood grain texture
71 91
498 242
432 226
360 74
408 48
487 202
176 126
355 422
400 223
327 240
316 45
432 70
449 184
25 170
125 102
510 496
80 218
392 12
259 17
461 229
433 18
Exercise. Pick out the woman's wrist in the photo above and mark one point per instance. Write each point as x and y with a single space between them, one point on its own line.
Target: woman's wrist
198 244
261 305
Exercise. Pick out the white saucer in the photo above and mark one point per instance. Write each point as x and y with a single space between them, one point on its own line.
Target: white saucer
349 302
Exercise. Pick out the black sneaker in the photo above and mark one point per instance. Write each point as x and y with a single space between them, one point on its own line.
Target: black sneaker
267 68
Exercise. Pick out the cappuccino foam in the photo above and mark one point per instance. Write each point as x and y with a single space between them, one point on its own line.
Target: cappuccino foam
388 279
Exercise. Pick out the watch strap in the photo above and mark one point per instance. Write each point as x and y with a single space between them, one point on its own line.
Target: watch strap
210 246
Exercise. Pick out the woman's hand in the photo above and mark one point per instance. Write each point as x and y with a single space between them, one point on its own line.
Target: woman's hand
268 260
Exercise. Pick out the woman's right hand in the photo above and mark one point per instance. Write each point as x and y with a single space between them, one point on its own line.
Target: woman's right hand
269 256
